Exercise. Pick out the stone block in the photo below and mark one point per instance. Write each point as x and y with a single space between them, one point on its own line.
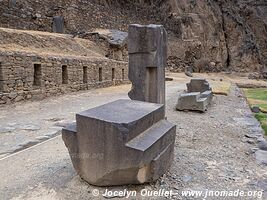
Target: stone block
198 85
197 98
58 24
147 46
122 142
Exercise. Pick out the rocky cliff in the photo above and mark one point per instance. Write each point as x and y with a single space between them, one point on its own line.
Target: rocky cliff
208 35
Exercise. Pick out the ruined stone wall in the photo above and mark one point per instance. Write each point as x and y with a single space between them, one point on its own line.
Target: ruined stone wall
28 76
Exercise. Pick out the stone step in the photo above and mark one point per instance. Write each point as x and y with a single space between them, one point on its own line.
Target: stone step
154 139
69 136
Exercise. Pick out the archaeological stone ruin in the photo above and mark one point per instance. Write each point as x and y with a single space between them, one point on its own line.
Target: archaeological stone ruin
198 96
62 65
58 24
147 61
127 141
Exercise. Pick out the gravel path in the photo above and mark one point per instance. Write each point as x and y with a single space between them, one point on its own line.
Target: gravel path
213 151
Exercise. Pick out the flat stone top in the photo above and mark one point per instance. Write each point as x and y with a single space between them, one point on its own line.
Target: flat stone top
121 111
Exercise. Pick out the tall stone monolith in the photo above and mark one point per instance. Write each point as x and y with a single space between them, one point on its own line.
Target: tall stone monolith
58 24
147 46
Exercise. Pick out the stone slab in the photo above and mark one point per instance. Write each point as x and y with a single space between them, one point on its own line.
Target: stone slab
198 85
58 24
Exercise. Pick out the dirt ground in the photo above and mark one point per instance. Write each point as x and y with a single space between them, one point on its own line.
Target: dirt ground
214 151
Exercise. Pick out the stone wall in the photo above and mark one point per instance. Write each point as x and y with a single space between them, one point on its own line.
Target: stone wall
221 35
28 76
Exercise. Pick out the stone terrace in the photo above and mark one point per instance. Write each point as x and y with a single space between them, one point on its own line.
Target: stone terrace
38 65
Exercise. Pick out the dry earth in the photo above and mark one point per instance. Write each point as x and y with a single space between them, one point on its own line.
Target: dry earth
213 150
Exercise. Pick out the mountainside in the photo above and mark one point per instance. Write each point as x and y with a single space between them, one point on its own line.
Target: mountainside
218 35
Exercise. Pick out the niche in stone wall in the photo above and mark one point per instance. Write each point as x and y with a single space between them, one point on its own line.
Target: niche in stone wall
65 77
113 74
100 75
85 77
122 74
37 75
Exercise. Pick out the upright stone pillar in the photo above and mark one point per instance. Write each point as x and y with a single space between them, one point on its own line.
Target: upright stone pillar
147 47
58 24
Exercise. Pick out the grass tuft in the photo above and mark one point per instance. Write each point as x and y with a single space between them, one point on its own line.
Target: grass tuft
258 97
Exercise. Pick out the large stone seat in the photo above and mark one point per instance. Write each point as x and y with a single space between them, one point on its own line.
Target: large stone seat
122 142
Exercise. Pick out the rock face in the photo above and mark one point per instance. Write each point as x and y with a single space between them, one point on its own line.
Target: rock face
221 35
123 142
217 35
147 46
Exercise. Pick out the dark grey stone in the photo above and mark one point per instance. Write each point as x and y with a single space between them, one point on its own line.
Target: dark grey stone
58 24
147 46
197 98
122 142
198 85
255 109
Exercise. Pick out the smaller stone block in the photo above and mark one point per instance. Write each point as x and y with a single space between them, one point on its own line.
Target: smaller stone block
58 24
198 85
197 98
189 101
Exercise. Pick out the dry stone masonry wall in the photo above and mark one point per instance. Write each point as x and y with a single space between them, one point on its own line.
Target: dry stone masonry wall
26 76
